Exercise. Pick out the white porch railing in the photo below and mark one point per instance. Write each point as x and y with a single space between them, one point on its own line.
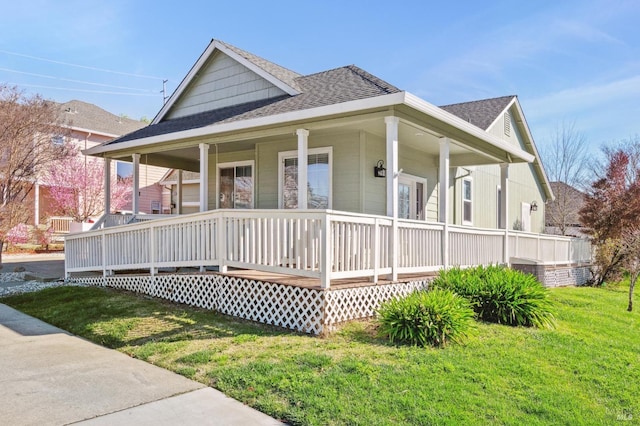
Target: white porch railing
323 244
60 224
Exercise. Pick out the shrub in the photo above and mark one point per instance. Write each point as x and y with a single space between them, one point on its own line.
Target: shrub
19 234
426 318
501 295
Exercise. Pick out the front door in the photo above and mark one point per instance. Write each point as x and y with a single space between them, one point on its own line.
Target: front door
235 186
411 197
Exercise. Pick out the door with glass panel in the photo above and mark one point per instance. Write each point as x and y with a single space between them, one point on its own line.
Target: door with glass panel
411 198
236 186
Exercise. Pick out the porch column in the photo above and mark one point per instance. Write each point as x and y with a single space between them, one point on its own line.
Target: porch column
392 189
179 192
443 199
107 185
36 219
136 183
204 177
303 155
504 207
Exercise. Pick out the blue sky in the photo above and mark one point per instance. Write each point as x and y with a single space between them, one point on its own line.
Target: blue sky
572 61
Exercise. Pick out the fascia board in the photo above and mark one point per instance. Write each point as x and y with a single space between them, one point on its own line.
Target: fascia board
301 115
257 69
448 118
185 81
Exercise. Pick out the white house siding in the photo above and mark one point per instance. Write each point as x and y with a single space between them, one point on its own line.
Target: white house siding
222 82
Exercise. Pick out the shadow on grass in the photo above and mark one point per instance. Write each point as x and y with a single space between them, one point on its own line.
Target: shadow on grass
113 318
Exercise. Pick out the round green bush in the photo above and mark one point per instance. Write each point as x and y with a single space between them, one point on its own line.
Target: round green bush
501 295
426 318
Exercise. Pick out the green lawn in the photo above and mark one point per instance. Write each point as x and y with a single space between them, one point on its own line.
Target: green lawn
586 371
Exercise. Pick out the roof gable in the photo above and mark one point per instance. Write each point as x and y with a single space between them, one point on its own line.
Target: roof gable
321 89
482 113
224 76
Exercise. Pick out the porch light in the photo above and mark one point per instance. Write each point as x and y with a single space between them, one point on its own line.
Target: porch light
379 170
534 206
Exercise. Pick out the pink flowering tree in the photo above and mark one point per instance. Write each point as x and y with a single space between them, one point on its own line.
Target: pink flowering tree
77 187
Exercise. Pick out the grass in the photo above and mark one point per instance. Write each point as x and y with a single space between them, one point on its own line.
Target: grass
586 371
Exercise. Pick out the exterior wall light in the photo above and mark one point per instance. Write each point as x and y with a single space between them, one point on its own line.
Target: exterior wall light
379 170
534 206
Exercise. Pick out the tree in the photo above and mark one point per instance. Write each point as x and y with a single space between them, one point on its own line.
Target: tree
77 187
611 208
28 125
631 248
566 162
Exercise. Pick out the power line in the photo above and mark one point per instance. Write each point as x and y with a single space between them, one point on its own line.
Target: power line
80 66
83 90
75 81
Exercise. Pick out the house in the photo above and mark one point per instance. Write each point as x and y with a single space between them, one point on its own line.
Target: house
90 126
396 188
562 215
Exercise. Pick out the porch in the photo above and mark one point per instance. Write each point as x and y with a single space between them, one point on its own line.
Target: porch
325 245
304 270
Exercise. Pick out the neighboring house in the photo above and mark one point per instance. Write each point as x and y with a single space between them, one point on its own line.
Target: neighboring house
91 126
394 189
562 215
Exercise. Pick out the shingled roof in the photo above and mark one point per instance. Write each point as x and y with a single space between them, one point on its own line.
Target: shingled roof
324 88
479 113
279 72
86 116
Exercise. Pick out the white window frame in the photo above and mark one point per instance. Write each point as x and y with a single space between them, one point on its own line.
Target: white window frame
470 201
282 155
234 164
413 180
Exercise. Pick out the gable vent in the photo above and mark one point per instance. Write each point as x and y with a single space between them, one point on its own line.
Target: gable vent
507 123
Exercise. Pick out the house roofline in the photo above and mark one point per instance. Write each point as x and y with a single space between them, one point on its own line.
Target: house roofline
542 174
384 101
202 59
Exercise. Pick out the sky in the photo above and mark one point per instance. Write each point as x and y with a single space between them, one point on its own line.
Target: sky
572 62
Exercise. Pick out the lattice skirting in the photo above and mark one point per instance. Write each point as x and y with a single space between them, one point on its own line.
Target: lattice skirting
296 308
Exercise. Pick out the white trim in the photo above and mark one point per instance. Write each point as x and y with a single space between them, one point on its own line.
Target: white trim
529 137
463 200
234 164
498 206
412 181
326 111
202 60
282 155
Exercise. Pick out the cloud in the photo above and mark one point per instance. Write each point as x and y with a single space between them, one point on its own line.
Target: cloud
586 97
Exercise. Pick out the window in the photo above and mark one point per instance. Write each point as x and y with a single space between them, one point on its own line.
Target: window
411 204
57 140
467 211
124 170
235 185
318 179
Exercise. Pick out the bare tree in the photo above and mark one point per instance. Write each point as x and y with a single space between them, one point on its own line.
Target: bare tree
631 247
566 160
30 132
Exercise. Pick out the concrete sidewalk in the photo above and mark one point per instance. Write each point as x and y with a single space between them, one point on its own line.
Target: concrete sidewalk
50 377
